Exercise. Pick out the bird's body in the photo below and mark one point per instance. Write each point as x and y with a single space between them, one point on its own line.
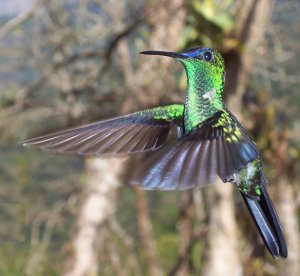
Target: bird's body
211 142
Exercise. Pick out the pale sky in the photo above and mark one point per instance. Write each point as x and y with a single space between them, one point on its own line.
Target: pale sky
13 7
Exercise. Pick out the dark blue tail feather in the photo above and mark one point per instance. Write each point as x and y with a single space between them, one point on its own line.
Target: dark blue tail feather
267 221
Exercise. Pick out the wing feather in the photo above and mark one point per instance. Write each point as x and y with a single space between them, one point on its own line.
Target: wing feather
198 157
138 132
187 168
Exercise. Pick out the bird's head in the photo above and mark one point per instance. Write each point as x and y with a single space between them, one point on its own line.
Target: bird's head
201 64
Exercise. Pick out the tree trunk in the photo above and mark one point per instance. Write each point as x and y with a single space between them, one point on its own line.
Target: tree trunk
97 208
145 87
287 211
185 225
223 256
146 235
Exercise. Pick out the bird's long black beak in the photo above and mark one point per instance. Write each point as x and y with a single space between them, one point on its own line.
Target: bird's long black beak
167 54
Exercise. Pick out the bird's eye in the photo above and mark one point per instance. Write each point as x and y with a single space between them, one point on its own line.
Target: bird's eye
207 56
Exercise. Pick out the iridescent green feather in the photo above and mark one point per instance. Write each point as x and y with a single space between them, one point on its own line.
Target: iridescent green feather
169 112
205 88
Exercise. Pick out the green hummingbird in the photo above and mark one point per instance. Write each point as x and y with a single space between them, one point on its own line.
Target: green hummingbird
210 143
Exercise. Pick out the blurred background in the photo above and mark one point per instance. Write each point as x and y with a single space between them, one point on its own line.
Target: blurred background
64 63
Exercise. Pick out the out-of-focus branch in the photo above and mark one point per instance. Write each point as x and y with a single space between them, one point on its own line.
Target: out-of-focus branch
189 234
128 241
91 54
145 231
198 232
40 244
109 49
115 260
186 231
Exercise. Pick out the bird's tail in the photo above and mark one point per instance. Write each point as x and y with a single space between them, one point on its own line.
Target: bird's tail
266 220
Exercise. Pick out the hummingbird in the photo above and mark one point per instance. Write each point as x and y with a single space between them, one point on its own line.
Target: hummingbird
210 143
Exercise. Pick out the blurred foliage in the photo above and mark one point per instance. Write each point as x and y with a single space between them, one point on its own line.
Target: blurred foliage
209 17
23 177
273 96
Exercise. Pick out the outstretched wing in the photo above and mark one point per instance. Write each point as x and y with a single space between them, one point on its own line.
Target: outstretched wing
138 132
219 146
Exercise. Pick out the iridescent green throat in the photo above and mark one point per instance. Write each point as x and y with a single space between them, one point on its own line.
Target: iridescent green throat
204 91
